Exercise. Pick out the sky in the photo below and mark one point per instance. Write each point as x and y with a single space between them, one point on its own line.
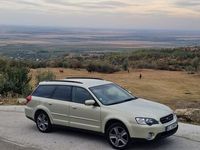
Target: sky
123 14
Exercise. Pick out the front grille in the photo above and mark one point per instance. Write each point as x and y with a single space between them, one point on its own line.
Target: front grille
167 119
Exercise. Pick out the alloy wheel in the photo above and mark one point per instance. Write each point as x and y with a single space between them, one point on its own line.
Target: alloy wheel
42 122
118 137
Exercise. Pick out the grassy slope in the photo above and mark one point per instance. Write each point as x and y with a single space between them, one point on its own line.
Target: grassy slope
176 89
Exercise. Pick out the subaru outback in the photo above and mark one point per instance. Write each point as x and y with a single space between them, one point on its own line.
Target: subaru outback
102 106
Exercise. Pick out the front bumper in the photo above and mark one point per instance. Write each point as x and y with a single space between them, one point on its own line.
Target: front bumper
152 132
166 133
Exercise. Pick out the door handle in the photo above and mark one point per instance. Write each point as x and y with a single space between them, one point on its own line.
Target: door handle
74 107
49 103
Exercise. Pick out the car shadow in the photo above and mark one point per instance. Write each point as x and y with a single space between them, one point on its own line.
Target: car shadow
136 144
79 133
158 144
93 136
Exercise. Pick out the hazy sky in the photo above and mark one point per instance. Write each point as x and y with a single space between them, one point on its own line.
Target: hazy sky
148 14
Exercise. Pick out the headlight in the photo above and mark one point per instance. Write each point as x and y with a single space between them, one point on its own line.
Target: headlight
175 116
146 121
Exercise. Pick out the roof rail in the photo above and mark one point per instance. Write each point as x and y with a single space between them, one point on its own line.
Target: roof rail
84 78
64 81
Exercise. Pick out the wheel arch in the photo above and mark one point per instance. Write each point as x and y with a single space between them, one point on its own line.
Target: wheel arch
45 110
112 121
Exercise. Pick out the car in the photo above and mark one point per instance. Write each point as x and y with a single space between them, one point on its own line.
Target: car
101 106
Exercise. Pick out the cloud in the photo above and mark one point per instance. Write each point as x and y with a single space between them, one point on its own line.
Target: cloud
29 3
89 4
14 4
187 3
108 7
103 13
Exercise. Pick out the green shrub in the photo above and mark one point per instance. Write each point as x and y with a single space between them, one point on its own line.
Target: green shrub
196 63
15 81
45 76
102 68
125 65
190 70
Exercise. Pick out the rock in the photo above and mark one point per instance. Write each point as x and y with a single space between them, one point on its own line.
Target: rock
191 114
21 101
1 103
180 112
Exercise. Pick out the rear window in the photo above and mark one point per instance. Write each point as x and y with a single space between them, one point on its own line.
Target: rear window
44 91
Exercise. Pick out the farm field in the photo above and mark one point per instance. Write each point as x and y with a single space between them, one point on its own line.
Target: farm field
174 88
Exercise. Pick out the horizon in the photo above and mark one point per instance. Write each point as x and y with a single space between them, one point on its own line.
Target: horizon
94 28
103 14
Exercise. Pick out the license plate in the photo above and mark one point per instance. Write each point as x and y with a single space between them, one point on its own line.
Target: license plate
172 126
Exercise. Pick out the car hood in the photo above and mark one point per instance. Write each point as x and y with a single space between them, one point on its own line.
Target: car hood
143 108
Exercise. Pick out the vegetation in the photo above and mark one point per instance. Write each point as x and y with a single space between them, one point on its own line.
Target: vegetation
103 68
178 59
15 74
14 79
44 76
196 63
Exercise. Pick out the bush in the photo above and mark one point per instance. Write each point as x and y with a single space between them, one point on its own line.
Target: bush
125 65
75 64
190 70
45 76
103 68
15 81
196 64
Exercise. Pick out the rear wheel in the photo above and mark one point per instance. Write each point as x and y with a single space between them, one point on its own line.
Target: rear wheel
118 136
43 122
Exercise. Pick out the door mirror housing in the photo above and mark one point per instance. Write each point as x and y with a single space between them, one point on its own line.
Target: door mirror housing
89 102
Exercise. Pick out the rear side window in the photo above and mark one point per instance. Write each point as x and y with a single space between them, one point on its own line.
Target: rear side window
62 93
44 91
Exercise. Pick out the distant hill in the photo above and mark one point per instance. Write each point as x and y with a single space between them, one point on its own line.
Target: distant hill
41 43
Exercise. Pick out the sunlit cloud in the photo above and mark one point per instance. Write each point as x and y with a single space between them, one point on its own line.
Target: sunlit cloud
102 11
170 7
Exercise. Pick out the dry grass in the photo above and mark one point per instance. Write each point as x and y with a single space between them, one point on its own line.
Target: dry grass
176 89
9 101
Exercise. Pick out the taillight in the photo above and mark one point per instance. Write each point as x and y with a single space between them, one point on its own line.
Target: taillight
28 99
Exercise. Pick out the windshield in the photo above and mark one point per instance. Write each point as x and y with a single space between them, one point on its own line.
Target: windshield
109 94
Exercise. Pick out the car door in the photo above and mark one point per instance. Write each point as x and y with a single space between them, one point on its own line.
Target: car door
82 116
59 104
56 99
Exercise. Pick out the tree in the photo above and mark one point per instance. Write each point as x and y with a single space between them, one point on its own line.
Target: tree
125 65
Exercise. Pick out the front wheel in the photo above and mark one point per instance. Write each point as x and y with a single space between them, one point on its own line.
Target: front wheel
43 122
118 136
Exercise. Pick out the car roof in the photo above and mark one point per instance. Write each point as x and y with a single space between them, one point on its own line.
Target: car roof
82 82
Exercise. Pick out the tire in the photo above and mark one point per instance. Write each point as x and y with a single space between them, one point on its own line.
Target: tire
118 136
43 122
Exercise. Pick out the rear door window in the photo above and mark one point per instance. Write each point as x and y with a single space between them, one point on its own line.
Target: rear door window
62 92
44 91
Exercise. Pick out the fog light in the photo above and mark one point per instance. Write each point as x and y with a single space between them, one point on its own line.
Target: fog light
150 136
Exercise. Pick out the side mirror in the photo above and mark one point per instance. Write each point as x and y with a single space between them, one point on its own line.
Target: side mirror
89 102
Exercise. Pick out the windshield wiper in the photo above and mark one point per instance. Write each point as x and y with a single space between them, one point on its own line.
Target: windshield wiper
126 100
